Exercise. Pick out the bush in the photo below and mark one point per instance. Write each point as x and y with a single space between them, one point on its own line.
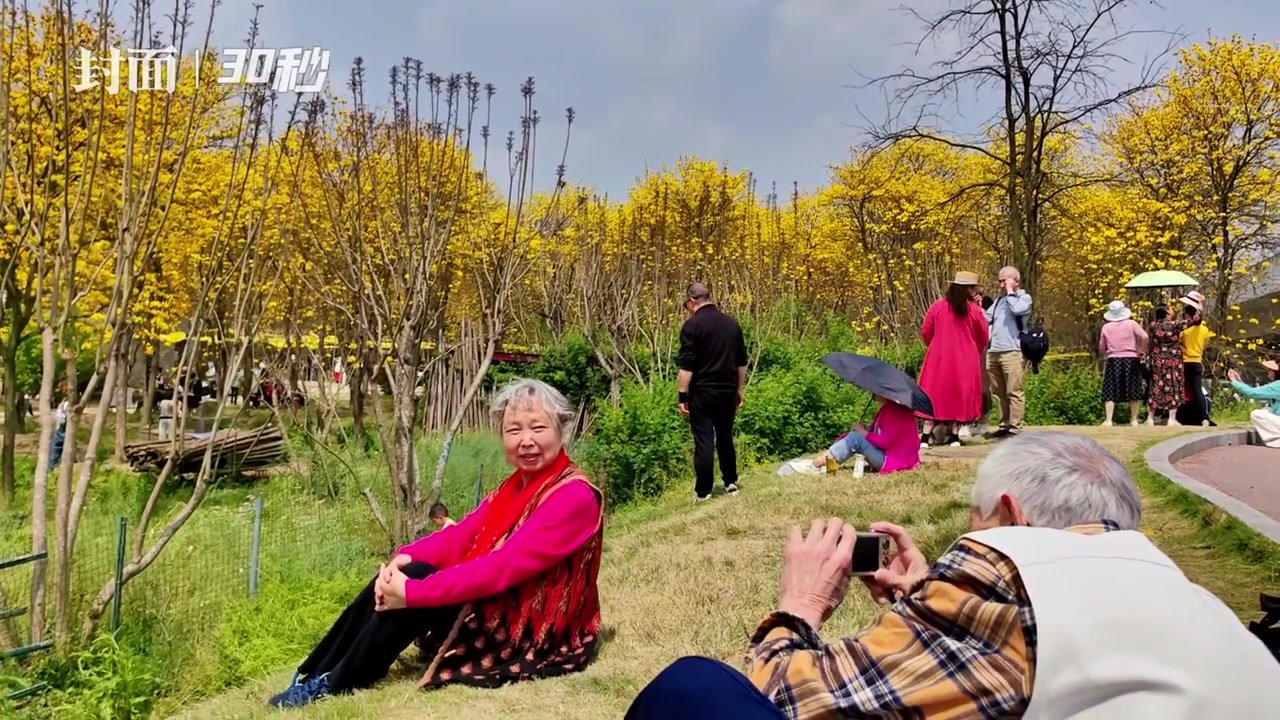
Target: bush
569 367
106 680
799 411
640 445
1063 393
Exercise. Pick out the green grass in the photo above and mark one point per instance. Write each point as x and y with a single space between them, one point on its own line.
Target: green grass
679 579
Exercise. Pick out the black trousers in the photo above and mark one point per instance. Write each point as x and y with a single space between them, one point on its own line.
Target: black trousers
711 415
1194 411
360 648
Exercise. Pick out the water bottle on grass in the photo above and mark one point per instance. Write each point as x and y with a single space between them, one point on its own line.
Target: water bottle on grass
859 465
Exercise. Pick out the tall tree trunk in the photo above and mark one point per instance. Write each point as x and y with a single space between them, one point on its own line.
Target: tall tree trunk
355 384
13 420
124 360
152 365
403 376
40 486
62 542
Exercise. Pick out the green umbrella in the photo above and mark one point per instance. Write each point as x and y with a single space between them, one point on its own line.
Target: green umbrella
1162 279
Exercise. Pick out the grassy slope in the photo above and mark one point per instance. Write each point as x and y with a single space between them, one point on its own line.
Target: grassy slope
679 579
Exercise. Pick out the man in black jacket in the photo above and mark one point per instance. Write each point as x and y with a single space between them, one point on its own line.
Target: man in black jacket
713 371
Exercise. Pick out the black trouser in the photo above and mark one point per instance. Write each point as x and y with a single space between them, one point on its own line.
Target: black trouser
711 414
361 646
1195 410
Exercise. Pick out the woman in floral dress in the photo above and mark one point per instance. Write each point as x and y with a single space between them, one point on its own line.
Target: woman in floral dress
1165 361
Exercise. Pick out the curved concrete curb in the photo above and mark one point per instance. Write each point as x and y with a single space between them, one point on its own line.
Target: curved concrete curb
1162 457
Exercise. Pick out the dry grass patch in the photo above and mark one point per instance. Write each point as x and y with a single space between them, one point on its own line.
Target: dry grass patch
680 579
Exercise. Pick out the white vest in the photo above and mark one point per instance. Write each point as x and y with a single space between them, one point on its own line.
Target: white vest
1122 634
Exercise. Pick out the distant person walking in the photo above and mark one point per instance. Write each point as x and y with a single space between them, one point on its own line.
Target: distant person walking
713 372
1005 364
955 333
59 439
1122 343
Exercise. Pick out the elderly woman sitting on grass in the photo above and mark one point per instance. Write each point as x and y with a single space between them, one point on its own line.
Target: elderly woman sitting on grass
508 593
1266 421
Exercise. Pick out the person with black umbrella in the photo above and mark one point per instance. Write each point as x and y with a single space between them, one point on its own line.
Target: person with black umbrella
891 443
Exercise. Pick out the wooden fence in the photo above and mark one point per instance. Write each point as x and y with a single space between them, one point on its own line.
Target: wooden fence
447 380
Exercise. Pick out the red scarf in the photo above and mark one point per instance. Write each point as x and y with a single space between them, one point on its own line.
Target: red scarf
510 503
561 602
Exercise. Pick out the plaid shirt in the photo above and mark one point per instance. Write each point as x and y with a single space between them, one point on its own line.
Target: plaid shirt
962 645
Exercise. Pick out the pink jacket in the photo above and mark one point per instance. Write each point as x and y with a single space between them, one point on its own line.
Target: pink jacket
560 525
894 431
1122 339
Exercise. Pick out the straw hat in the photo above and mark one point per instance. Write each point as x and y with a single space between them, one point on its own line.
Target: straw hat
1116 311
1194 299
1271 365
965 278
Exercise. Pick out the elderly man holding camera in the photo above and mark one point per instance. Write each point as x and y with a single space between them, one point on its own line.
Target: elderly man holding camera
1053 605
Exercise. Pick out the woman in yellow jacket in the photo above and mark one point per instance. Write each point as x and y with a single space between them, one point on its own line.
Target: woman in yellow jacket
1194 339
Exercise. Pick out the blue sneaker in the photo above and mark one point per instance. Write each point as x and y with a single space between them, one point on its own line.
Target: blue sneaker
302 693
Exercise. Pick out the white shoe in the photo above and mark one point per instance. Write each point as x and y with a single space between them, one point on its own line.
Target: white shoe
1107 423
803 466
700 499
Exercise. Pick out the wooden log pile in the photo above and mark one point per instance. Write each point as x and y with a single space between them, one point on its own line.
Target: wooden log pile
233 451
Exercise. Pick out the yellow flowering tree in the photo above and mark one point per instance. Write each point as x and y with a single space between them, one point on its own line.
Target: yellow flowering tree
1207 145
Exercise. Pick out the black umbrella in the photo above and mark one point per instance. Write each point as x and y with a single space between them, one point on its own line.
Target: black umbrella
880 378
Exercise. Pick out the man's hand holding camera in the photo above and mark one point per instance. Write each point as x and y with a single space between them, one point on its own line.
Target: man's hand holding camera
816 569
905 568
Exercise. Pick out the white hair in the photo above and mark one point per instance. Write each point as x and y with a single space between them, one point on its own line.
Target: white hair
1059 479
1009 271
522 390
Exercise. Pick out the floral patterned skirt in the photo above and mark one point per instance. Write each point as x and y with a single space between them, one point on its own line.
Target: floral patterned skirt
480 658
1167 384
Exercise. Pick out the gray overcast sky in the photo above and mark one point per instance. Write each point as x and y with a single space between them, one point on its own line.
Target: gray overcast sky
758 84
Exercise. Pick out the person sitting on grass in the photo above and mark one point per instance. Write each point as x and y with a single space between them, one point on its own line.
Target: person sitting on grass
439 516
889 445
508 593
1266 421
1054 605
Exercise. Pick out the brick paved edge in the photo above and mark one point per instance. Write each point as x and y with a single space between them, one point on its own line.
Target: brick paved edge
1161 458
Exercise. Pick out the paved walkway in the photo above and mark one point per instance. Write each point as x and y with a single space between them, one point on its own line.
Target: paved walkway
1247 473
1241 479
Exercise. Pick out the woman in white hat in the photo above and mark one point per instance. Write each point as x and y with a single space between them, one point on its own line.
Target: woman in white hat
1266 421
1122 343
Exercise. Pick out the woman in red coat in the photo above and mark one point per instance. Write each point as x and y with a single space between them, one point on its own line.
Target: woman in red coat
955 331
